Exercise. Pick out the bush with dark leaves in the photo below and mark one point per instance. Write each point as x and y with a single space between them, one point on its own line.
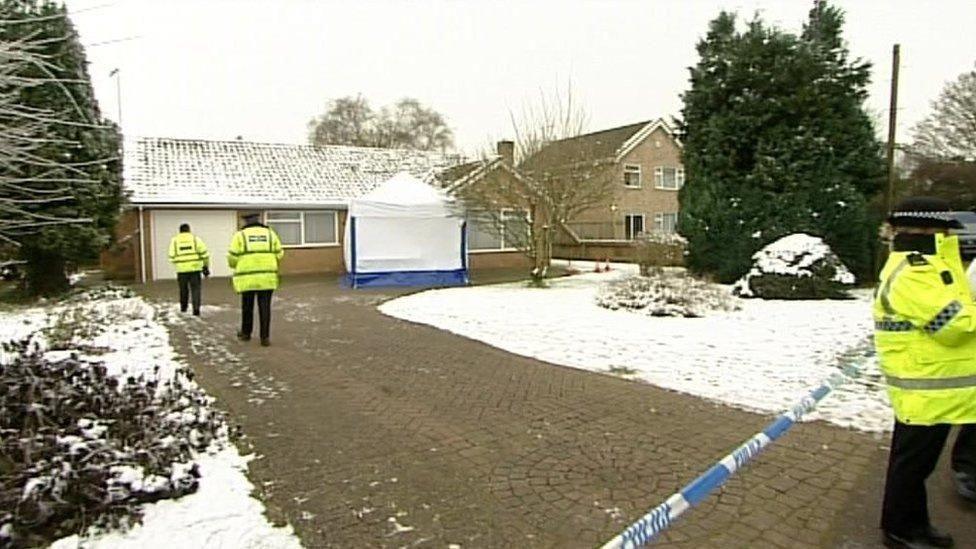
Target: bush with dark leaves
79 447
798 266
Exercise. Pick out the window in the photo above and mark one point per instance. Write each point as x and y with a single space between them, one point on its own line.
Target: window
666 222
501 232
667 178
633 226
310 228
483 233
632 175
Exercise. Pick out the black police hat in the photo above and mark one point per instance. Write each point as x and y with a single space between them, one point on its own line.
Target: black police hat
924 211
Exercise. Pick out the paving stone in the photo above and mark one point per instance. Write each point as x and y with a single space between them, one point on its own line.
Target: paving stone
490 449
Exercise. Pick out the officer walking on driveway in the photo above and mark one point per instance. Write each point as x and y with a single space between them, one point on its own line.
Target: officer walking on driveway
925 334
254 255
190 259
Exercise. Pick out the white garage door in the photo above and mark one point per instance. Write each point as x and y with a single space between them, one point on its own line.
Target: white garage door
214 227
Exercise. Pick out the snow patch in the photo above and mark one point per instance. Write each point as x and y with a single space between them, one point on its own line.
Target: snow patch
760 358
220 514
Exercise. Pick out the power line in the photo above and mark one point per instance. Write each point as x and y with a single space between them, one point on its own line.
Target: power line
113 41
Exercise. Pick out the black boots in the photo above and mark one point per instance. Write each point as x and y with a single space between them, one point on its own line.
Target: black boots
925 538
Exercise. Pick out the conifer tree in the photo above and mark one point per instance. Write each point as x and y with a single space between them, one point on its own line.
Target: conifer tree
76 154
776 141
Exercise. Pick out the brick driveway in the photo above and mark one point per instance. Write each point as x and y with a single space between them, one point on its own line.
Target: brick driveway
375 432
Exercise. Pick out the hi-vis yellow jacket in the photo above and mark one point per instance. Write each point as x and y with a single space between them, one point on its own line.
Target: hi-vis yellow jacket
188 254
254 254
925 334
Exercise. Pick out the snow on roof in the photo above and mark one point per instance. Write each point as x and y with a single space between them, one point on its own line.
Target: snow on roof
200 172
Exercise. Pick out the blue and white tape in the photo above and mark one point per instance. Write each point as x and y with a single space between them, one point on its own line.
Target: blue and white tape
661 517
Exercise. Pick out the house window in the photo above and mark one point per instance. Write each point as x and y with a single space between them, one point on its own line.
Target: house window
666 222
633 226
632 175
506 231
668 178
308 228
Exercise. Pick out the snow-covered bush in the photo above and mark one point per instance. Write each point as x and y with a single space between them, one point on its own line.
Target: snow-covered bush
798 266
658 250
82 446
666 295
104 292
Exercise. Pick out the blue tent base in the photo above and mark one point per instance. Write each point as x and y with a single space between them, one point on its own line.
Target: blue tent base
457 277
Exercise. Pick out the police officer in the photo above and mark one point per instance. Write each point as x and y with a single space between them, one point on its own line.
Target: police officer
925 334
254 255
190 259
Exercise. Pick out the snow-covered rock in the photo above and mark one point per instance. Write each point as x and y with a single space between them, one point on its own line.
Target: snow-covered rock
798 266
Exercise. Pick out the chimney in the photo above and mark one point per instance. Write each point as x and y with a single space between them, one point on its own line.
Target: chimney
506 150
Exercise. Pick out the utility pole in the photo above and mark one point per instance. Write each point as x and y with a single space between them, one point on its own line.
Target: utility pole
118 92
880 257
892 126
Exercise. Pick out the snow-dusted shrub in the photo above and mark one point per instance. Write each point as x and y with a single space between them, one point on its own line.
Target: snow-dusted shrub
798 266
103 292
79 447
666 295
655 251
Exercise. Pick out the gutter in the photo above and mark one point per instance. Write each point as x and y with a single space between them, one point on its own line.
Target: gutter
142 248
228 206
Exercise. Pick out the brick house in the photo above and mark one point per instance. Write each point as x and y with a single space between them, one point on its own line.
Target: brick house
641 162
301 191
644 162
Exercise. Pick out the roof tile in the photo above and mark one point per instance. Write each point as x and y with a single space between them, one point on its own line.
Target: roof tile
186 171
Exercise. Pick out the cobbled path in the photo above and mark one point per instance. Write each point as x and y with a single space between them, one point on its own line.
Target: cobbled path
373 432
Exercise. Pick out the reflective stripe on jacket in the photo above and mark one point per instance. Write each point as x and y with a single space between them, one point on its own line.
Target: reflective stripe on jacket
254 254
188 254
925 334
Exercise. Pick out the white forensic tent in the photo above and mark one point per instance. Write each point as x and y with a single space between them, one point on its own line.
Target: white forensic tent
405 233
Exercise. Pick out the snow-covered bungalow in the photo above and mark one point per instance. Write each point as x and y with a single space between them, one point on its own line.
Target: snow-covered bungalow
303 192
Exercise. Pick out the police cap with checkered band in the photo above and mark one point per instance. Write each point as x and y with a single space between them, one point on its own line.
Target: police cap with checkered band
924 211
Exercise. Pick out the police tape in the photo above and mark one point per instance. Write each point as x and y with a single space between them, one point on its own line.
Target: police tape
661 517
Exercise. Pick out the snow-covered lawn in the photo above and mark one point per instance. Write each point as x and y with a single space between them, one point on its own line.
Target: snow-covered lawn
133 343
762 357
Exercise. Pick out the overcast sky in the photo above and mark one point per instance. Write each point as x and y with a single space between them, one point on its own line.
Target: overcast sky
261 69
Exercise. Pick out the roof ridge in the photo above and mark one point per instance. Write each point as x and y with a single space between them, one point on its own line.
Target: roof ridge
289 145
616 128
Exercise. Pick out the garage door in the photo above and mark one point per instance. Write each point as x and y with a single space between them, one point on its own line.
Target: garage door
214 227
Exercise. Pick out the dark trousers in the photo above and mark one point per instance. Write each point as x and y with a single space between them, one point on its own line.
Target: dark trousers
189 285
264 312
915 451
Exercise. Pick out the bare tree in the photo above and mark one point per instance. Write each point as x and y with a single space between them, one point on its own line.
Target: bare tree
949 132
407 124
346 121
410 125
552 178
